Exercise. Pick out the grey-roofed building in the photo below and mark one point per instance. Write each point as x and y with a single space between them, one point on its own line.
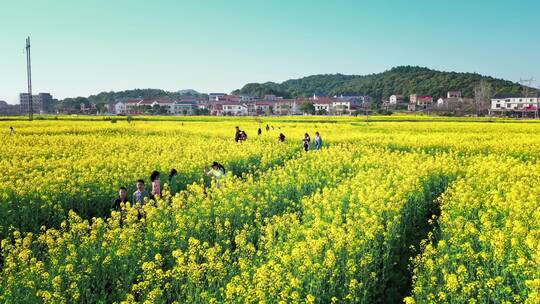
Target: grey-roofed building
42 103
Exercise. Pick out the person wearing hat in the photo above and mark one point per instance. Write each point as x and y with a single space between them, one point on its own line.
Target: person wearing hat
217 171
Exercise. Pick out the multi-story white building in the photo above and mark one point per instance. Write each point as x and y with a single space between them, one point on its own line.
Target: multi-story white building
341 106
515 103
120 108
184 107
234 108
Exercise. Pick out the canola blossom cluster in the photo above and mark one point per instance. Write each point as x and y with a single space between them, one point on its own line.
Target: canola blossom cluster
387 212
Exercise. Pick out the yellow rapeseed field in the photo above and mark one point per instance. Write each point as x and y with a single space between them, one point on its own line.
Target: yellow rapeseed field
389 211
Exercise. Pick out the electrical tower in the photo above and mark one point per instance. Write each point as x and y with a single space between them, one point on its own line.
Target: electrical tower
29 73
526 85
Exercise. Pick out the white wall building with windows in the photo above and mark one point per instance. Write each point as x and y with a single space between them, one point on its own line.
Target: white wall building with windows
514 102
236 109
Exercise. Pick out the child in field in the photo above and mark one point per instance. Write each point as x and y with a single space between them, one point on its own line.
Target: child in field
307 142
173 184
259 131
281 137
140 195
243 136
217 171
317 141
156 184
122 198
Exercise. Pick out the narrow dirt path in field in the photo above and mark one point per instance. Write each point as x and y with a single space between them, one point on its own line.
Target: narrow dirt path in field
417 225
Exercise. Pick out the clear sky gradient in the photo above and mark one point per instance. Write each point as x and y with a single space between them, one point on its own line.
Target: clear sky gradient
85 47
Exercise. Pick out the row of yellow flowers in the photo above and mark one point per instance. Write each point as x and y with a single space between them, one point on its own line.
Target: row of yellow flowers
488 248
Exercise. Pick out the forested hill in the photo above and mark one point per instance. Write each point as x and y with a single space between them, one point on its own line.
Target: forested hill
404 80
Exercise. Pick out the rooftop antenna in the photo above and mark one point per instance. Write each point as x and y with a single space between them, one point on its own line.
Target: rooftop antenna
29 73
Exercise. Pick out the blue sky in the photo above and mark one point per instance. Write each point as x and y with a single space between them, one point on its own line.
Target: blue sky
85 47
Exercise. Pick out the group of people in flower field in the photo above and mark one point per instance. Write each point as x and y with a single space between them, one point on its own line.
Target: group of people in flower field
141 195
241 136
215 171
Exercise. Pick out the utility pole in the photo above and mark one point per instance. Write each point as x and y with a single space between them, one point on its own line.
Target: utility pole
29 73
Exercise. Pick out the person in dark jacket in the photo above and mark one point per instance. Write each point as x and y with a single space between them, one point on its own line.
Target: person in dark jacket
281 137
259 131
307 142
238 134
121 199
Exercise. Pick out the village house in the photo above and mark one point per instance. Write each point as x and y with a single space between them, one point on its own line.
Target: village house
88 108
393 101
262 107
453 94
354 98
396 99
515 103
120 108
454 100
322 104
286 107
419 102
215 96
234 108
215 108
341 106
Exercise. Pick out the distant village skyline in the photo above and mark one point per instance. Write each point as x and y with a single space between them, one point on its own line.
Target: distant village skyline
17 99
86 47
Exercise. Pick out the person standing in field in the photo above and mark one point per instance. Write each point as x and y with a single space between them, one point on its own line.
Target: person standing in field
237 134
141 195
217 171
173 184
307 142
121 199
11 131
267 128
281 137
259 131
317 141
156 183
